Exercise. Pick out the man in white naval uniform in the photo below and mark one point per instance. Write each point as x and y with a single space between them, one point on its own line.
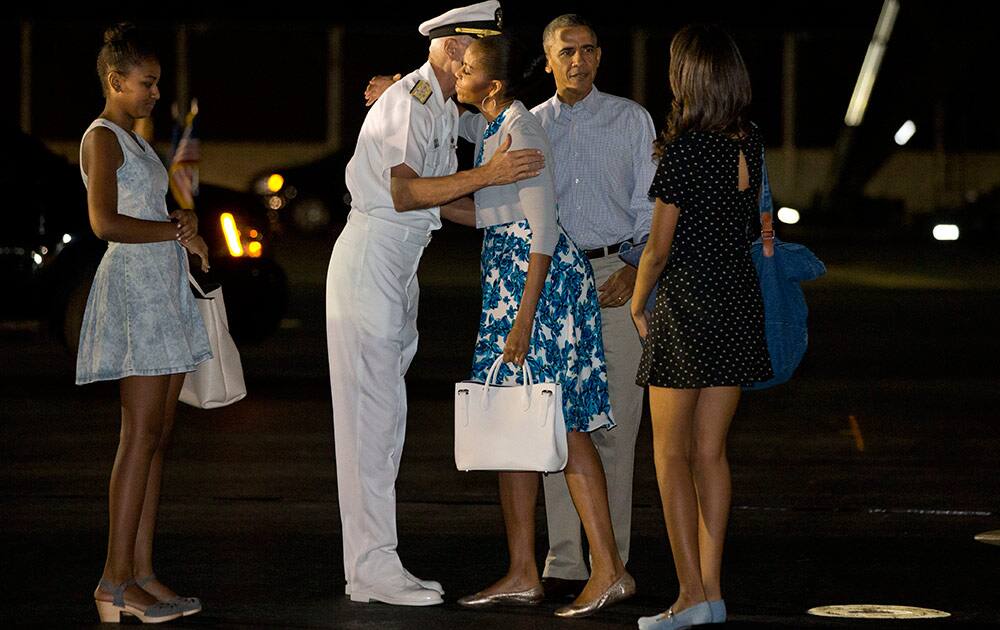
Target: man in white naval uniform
402 171
603 152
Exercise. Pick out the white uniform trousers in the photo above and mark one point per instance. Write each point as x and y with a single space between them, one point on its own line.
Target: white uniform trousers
622 351
371 316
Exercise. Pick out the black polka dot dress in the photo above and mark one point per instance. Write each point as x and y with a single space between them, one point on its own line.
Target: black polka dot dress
707 328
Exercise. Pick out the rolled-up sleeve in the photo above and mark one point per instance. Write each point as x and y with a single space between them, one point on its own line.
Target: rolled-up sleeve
644 167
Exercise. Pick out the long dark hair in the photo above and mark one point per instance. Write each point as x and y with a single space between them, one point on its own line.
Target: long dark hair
124 47
507 59
710 83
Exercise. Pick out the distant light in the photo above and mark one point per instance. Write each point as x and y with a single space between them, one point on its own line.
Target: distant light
232 234
274 202
873 60
35 256
946 232
67 238
254 249
905 133
788 215
44 250
254 233
275 182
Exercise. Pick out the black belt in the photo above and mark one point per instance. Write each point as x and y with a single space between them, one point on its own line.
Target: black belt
601 252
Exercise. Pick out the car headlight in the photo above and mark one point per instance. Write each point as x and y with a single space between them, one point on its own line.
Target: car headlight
269 184
238 242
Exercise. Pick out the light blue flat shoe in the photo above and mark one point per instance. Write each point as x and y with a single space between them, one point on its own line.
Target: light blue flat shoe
696 615
718 608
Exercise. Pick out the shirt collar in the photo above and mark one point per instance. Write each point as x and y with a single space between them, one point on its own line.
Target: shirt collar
589 104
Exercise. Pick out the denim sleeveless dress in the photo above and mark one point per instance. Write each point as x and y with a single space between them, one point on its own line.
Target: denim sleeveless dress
141 317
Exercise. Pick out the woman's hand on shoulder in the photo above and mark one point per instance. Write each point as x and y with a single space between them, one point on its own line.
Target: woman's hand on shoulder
377 86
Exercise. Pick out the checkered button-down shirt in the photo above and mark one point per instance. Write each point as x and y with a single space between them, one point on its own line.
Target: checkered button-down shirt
603 152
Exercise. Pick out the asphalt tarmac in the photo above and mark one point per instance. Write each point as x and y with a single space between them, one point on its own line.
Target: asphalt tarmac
862 481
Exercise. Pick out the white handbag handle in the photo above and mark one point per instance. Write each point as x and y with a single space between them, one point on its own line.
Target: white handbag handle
526 375
529 378
197 287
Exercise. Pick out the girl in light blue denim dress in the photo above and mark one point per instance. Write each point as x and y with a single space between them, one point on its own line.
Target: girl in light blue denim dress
141 326
141 317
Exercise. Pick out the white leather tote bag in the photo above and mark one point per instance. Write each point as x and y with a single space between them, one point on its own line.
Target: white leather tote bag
219 381
509 427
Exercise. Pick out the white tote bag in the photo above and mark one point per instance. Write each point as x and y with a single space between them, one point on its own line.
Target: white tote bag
219 381
509 427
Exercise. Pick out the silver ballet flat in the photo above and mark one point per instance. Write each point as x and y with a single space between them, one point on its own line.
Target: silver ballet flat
530 597
621 590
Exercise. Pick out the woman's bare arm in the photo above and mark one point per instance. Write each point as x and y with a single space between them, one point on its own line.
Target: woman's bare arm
102 157
654 259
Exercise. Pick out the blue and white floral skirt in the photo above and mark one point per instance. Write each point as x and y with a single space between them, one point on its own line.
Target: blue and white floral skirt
566 345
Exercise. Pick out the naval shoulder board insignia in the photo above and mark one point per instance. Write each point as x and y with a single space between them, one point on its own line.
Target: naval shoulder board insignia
422 91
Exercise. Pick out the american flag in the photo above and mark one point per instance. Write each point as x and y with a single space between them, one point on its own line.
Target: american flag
184 164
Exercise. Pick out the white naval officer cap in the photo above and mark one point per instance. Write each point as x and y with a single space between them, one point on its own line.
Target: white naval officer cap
476 20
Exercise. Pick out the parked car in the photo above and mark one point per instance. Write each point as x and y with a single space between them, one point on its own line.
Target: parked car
306 197
310 197
48 253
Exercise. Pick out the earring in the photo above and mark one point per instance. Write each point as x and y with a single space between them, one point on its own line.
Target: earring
488 98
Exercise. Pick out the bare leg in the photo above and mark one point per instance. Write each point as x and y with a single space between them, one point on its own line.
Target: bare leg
143 558
588 487
712 416
518 495
673 412
142 400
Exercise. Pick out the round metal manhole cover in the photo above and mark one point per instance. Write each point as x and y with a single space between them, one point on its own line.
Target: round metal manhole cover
990 538
877 611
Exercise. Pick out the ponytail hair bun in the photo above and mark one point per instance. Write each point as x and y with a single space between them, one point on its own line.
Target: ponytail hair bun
125 47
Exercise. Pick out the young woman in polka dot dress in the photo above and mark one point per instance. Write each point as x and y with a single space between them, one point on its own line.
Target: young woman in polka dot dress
705 336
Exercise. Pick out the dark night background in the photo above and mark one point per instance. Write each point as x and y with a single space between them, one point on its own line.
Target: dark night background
864 480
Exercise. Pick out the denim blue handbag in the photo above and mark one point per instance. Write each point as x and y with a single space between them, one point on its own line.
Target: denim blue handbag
780 268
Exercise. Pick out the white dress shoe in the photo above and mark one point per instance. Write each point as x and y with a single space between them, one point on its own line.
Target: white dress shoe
428 584
399 591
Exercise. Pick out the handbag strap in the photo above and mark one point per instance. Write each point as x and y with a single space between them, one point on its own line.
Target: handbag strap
766 210
767 233
198 291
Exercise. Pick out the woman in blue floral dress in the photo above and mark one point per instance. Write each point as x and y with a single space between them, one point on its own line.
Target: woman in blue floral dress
540 306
